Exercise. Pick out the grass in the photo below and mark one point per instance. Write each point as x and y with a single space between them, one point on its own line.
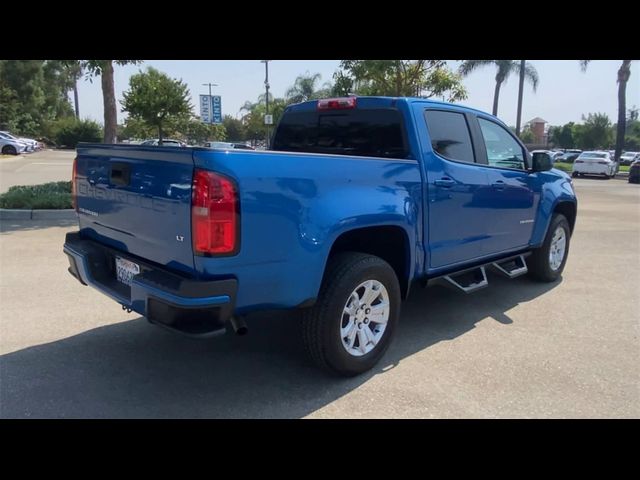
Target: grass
52 195
565 167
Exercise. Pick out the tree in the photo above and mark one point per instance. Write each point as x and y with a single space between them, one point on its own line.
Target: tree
195 132
624 72
75 71
304 88
157 99
104 69
253 119
33 93
562 136
504 70
632 138
235 128
527 136
399 78
136 129
595 132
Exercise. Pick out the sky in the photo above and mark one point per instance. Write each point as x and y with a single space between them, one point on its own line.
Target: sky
564 92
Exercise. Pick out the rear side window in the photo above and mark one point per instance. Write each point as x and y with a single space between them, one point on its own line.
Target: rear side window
359 132
449 134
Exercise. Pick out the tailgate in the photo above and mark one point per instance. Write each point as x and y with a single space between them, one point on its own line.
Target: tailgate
138 200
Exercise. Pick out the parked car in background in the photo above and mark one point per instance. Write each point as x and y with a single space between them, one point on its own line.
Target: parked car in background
634 172
228 145
31 144
166 142
627 158
9 146
569 156
595 163
243 146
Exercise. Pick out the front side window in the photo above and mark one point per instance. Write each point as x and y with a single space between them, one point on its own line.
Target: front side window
449 134
502 149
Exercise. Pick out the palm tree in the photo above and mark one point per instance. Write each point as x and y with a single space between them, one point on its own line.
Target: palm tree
624 72
303 89
504 69
104 68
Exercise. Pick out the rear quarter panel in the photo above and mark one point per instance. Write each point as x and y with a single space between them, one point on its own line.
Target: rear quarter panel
294 206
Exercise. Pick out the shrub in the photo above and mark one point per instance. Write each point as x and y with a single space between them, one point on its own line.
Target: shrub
54 195
69 132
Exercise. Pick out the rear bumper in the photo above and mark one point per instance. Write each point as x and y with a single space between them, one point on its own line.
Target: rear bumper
193 307
592 169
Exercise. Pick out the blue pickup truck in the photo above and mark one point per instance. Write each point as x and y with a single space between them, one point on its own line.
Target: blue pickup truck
359 199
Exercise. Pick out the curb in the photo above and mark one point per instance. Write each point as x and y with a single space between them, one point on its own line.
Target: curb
22 214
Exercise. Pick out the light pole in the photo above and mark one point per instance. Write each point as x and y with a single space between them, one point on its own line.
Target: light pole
520 90
266 87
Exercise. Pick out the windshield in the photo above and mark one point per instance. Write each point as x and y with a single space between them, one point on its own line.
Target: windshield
7 136
593 155
359 132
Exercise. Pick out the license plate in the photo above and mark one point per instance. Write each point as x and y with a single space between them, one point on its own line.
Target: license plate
125 270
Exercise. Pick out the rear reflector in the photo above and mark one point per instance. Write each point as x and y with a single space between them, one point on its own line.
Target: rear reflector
74 191
214 214
337 103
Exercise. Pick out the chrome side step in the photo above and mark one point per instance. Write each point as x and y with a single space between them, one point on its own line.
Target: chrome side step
468 281
511 268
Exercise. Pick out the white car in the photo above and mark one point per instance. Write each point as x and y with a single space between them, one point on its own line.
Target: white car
12 147
31 144
595 163
627 158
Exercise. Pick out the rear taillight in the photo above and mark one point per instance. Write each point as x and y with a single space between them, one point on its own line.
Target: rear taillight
603 163
579 161
74 191
337 103
215 218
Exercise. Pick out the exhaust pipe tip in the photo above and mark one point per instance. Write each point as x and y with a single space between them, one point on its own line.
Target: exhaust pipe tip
239 326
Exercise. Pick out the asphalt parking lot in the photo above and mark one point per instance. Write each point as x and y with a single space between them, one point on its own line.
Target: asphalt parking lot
517 349
35 168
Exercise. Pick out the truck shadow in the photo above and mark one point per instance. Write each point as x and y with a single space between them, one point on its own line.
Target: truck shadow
134 370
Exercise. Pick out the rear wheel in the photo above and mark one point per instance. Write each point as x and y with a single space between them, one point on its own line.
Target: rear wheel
547 262
352 323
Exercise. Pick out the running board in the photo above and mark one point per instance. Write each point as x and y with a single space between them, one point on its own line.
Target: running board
511 268
468 281
471 279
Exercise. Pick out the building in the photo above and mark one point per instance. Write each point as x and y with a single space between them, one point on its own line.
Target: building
540 130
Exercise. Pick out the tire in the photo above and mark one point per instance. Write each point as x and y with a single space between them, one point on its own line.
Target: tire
9 150
324 322
574 174
539 262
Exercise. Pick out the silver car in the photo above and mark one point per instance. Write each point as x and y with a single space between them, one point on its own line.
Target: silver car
31 144
12 147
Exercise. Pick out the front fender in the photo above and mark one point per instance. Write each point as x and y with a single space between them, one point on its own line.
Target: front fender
555 189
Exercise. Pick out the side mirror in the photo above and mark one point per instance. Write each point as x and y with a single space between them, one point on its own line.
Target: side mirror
541 162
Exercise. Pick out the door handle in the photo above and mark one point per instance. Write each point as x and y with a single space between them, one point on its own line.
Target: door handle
445 182
498 185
